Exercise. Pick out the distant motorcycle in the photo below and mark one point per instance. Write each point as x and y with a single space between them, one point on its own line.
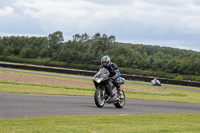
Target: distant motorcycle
101 95
155 82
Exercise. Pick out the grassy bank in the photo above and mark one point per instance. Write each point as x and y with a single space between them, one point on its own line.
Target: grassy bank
27 88
168 85
44 74
140 123
90 67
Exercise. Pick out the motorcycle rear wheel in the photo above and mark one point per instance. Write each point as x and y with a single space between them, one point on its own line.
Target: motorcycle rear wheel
99 101
121 102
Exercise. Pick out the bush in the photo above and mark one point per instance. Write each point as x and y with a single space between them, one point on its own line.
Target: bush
179 78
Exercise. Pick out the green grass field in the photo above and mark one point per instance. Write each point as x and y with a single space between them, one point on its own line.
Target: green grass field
140 123
27 88
86 80
173 95
57 77
169 85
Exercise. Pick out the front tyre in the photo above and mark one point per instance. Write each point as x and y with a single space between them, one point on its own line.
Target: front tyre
99 101
121 102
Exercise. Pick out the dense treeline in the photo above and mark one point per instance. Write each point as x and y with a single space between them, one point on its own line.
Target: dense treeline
85 52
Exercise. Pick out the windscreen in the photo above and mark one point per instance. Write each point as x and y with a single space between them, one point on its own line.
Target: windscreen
103 73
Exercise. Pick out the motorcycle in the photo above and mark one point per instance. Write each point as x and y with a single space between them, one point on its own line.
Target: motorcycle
155 82
101 95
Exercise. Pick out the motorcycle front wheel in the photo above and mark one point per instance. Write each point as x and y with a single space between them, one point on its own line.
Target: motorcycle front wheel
121 102
99 101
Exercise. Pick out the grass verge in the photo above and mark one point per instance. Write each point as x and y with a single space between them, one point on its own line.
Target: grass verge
43 74
140 123
167 85
27 88
78 79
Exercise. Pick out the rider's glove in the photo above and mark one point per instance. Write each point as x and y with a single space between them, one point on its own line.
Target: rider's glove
109 75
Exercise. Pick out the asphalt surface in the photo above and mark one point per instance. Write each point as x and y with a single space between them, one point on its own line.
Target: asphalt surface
28 105
79 77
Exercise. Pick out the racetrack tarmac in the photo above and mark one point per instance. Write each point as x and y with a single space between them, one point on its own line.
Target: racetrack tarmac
31 105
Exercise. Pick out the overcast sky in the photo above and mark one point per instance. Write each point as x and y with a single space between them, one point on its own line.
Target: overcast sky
172 23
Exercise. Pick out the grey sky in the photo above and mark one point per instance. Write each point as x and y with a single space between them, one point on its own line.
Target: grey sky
172 23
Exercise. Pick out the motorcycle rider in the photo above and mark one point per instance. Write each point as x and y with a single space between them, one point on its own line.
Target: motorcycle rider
155 82
114 74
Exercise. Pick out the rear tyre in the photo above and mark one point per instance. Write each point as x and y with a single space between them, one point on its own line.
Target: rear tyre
121 102
99 101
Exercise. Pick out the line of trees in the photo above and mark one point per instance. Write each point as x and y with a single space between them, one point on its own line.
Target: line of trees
86 51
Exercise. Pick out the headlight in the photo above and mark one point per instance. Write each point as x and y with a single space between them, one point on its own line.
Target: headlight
98 80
